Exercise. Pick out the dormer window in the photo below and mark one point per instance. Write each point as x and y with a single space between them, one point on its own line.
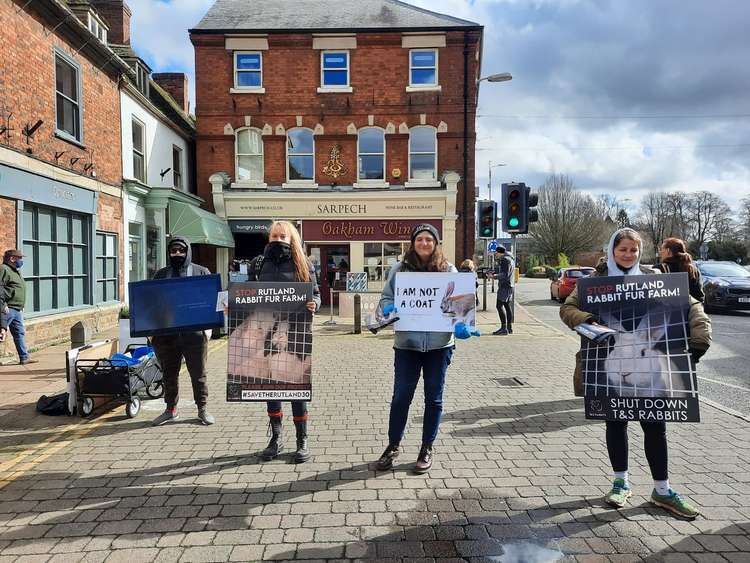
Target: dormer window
141 78
97 27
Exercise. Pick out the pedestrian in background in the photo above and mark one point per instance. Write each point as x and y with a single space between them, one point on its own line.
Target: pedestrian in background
284 260
428 353
674 257
468 266
505 272
14 288
3 320
623 259
192 346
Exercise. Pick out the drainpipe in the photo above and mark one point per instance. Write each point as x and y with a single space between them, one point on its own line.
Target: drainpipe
465 206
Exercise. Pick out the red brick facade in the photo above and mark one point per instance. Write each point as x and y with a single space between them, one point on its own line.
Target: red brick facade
27 90
379 75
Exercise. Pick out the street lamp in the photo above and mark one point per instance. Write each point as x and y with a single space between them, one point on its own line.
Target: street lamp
489 185
499 77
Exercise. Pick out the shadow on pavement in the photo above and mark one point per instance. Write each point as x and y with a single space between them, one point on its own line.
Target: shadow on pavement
511 420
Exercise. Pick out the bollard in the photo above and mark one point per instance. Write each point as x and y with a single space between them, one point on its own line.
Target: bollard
79 335
484 293
357 313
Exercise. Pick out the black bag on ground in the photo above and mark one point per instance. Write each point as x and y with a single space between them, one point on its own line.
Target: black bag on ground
56 405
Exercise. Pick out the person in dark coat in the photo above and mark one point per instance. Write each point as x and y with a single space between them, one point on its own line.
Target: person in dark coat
284 260
675 258
505 275
192 346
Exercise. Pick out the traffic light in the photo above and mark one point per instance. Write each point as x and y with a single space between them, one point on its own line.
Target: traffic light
487 219
517 204
514 204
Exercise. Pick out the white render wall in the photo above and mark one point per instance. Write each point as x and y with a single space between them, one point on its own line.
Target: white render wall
159 140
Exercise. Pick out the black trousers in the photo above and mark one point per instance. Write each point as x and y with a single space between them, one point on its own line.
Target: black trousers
505 312
654 443
170 350
299 409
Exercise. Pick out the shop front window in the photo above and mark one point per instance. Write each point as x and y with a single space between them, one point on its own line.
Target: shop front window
152 251
106 267
56 246
380 257
135 251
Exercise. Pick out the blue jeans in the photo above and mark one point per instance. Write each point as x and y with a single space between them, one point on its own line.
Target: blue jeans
408 364
14 318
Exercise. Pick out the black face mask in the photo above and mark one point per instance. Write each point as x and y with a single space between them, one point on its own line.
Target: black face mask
277 251
177 261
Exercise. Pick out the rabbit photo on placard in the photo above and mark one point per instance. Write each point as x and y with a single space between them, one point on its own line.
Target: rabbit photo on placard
459 308
247 357
637 363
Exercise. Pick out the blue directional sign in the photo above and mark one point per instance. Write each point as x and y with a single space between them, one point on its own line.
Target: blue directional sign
492 246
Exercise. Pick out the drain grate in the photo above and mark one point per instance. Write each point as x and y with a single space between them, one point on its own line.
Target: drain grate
510 382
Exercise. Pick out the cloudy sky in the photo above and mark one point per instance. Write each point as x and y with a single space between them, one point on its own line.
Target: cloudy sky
625 97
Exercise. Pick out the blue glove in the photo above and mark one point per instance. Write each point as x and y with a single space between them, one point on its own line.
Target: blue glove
463 332
388 309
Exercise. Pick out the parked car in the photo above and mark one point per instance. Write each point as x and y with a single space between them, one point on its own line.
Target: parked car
726 284
565 281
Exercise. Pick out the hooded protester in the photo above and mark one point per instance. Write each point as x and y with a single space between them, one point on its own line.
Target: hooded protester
418 353
284 260
675 258
192 346
13 292
623 259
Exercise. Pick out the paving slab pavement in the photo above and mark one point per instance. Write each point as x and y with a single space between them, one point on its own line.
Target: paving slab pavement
519 474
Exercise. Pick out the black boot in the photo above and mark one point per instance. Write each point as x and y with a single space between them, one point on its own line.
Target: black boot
275 447
303 453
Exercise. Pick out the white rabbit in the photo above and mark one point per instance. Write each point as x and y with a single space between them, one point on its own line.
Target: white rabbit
635 367
460 308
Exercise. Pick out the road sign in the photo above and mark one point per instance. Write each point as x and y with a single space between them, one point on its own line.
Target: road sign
492 246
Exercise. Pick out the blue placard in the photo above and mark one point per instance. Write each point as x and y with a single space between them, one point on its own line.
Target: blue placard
172 305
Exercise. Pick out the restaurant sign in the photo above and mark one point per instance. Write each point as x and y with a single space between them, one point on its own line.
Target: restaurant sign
365 230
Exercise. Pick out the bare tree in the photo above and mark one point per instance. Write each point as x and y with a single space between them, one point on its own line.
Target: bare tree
708 215
569 220
679 224
744 221
654 218
622 219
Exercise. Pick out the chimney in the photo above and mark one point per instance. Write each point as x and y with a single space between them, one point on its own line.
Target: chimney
176 84
116 15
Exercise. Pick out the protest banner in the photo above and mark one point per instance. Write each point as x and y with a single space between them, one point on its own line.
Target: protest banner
644 370
172 305
270 342
434 301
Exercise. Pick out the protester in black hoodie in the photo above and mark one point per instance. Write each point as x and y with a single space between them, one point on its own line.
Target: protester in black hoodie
193 346
675 258
284 260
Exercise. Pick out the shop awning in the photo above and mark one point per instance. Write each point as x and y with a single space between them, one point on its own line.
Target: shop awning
198 225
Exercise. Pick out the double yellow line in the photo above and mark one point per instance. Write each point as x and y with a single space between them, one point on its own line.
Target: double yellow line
28 459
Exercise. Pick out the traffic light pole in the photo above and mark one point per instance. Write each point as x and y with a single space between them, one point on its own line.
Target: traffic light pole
513 293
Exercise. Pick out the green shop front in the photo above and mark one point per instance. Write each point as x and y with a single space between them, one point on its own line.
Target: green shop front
155 214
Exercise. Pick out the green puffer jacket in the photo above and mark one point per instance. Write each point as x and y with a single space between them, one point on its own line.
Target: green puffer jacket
699 324
14 286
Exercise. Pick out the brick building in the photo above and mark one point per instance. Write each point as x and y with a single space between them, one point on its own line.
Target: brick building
356 122
60 163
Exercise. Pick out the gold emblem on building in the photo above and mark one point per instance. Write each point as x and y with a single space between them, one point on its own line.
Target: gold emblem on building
334 168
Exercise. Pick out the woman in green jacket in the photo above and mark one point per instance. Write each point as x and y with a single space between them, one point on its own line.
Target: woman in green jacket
623 258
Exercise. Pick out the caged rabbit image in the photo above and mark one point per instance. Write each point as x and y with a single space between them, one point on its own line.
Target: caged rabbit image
637 364
460 308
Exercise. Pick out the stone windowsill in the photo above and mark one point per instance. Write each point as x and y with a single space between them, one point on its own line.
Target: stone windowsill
247 90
